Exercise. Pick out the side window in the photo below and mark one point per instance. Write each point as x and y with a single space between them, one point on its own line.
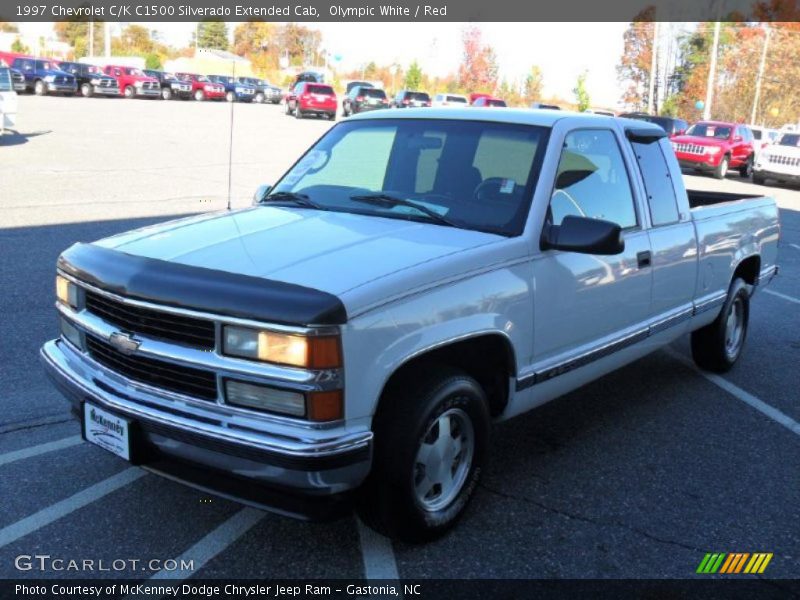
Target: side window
592 180
657 183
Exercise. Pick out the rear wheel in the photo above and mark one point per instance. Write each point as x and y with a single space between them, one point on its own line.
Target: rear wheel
166 93
717 346
722 168
86 90
40 88
287 109
298 114
746 170
431 438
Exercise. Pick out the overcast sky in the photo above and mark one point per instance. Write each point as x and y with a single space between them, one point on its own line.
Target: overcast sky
561 50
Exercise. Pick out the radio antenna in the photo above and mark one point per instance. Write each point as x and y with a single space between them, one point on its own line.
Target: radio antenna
230 141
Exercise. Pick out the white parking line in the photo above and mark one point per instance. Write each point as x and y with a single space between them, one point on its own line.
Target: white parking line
746 397
215 542
377 554
10 457
795 246
784 296
52 513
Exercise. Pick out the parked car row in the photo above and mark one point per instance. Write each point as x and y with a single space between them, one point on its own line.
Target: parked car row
43 76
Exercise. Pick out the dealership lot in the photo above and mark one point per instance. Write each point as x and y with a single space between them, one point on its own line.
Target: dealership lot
636 475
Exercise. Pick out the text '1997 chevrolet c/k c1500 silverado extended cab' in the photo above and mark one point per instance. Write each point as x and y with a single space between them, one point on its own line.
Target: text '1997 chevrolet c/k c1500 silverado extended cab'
416 276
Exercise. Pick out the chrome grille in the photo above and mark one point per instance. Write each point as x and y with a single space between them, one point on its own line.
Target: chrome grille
190 331
688 148
784 160
193 382
151 85
108 83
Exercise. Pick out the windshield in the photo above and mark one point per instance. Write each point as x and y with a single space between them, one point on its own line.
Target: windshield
478 175
135 72
372 93
203 78
790 139
420 96
495 103
319 89
47 66
720 132
457 99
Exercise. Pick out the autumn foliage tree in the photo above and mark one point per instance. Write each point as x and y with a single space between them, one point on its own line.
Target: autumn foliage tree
532 89
633 70
478 70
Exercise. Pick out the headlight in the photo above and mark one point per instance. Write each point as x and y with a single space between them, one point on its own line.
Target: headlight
712 150
208 88
50 78
94 81
239 90
139 83
314 352
66 291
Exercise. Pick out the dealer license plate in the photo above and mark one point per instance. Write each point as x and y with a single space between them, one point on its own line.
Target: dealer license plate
107 430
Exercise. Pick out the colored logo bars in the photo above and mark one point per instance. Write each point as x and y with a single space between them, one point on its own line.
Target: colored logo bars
734 562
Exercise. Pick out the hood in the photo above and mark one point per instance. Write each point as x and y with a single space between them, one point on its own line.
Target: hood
700 140
329 251
778 150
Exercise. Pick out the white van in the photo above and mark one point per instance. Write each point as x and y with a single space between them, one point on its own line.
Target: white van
8 101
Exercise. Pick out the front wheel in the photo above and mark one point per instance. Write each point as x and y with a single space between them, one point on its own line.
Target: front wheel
166 93
40 88
129 92
86 90
431 438
717 346
199 95
722 168
230 97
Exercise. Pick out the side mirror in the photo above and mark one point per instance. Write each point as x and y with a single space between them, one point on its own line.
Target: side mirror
584 235
261 193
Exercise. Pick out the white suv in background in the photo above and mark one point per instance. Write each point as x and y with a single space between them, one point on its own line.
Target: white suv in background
779 161
456 100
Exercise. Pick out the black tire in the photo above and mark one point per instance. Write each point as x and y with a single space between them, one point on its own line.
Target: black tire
722 168
259 98
87 91
40 88
409 412
746 170
298 114
712 347
129 92
199 95
331 116
230 97
287 110
166 93
759 179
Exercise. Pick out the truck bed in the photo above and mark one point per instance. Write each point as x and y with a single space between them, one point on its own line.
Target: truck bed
698 198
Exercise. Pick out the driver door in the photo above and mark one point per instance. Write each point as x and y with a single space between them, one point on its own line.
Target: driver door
586 303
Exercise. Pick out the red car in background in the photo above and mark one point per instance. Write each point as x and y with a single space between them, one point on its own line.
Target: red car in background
307 98
717 147
486 100
133 82
202 87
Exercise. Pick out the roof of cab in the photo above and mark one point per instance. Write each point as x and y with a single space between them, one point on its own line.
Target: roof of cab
522 116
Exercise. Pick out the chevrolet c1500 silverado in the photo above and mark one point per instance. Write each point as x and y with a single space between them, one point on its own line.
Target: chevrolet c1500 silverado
416 276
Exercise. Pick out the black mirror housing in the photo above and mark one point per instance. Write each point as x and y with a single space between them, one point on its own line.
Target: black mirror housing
584 235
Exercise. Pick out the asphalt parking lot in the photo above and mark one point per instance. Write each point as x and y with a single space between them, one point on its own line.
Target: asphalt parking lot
637 475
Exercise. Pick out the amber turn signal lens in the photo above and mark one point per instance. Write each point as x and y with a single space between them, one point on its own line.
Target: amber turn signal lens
325 406
324 352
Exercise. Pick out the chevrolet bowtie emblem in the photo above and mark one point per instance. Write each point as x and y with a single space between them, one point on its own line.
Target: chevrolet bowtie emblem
124 343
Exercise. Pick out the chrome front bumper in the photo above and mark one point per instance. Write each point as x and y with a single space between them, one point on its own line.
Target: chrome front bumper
217 455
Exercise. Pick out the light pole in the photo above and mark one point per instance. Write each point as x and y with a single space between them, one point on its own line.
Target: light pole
760 75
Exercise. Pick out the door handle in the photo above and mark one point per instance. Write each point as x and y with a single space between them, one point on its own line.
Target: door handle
643 259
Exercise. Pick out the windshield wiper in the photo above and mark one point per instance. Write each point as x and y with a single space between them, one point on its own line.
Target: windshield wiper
389 201
294 198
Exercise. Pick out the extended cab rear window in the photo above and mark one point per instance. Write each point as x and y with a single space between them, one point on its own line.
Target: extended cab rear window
477 175
319 89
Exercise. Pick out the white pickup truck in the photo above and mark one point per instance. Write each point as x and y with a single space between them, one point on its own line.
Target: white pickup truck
414 277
